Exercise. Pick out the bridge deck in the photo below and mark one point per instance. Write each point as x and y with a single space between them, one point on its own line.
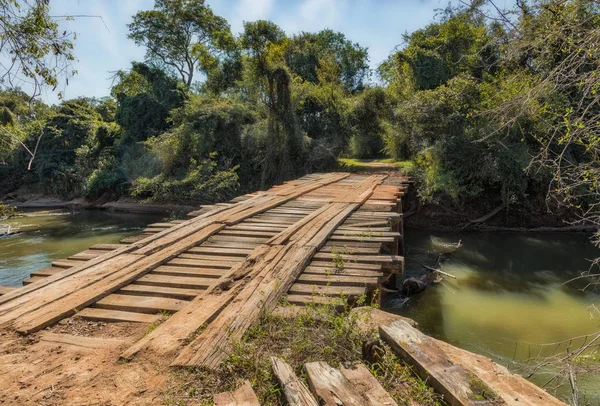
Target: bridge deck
319 238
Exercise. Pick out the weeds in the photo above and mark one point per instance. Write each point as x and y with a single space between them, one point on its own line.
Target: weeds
323 332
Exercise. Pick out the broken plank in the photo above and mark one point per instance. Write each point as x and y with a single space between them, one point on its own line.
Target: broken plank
367 385
330 387
453 381
296 393
243 396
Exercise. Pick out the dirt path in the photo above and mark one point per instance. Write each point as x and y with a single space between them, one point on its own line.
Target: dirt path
75 363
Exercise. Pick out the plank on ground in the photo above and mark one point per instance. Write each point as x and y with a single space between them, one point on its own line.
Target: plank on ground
243 396
296 393
453 381
330 387
367 385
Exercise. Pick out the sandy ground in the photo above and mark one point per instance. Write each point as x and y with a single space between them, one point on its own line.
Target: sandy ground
76 363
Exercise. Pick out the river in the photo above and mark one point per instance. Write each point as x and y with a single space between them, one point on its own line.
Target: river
56 234
508 297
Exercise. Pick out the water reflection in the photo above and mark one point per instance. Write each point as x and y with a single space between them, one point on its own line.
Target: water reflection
50 235
508 296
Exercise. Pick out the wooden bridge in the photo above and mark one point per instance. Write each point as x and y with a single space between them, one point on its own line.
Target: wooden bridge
319 238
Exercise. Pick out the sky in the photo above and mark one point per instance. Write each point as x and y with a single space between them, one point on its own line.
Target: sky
102 46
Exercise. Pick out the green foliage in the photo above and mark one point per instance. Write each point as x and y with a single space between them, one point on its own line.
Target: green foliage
204 182
145 97
306 51
7 211
367 118
182 36
40 53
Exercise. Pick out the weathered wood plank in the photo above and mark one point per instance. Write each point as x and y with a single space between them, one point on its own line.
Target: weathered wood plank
454 382
367 386
90 313
160 291
330 387
6 289
139 304
243 396
175 281
296 393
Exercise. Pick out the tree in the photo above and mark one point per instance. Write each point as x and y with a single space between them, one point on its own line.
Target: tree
145 96
264 44
34 50
307 49
182 35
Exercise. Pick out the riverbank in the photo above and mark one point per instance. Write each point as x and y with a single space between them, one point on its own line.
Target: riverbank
127 205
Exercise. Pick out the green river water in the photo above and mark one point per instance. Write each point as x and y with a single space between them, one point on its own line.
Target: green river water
50 235
507 299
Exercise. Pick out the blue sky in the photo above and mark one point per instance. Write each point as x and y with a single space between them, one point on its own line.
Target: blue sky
102 46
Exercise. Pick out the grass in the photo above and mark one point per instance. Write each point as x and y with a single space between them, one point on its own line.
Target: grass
353 164
315 333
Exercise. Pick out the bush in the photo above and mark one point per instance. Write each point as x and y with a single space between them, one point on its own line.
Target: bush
111 183
204 182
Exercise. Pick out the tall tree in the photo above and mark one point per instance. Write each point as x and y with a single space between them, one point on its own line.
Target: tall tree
183 35
305 51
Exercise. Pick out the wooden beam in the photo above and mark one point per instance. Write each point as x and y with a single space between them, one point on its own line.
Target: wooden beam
296 393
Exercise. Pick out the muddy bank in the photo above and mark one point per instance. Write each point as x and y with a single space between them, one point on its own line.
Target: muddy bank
122 205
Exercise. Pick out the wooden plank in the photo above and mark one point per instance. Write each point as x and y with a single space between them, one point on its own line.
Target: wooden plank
139 304
367 259
32 280
79 341
105 247
175 281
312 289
198 263
90 313
453 381
337 280
232 252
243 396
192 272
296 393
47 271
367 386
330 387
216 258
308 299
331 270
65 263
6 289
159 291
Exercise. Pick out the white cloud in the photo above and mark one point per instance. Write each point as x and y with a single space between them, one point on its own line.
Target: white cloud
251 10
